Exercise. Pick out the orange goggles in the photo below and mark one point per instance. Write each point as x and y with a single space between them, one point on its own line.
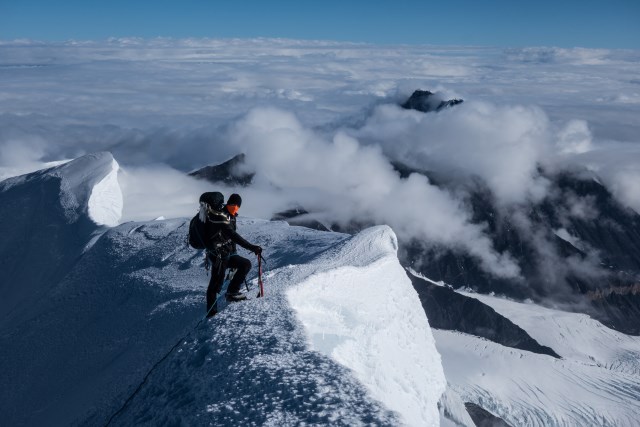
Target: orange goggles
233 209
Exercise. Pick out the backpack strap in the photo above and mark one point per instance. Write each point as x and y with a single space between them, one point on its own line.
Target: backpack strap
217 217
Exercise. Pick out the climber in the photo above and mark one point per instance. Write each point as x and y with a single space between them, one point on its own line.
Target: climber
220 239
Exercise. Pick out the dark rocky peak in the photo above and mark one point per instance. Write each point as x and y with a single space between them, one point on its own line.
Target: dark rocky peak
425 101
229 172
300 217
588 211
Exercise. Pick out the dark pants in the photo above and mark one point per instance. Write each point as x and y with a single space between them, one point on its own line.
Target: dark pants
218 270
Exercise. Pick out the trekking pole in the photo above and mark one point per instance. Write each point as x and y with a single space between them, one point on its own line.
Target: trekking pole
261 291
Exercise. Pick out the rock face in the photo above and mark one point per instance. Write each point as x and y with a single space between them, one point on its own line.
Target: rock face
582 225
425 101
228 172
299 216
620 311
449 310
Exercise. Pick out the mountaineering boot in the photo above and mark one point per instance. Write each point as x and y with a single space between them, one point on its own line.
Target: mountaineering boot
235 297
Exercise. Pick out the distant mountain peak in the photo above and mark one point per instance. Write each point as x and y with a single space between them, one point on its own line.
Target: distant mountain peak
229 172
426 101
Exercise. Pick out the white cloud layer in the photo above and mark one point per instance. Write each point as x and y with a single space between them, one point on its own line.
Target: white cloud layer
317 120
348 181
500 144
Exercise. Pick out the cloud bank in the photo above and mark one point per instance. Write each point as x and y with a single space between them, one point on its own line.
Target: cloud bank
346 181
318 122
503 145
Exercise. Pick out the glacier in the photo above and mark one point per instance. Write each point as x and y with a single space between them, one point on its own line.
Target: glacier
595 383
89 307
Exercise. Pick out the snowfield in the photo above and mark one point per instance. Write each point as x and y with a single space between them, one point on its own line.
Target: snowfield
87 311
596 383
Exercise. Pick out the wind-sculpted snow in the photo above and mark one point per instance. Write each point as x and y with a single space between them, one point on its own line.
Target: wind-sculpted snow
595 382
105 202
83 340
368 319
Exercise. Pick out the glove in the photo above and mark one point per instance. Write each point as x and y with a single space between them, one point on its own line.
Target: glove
256 250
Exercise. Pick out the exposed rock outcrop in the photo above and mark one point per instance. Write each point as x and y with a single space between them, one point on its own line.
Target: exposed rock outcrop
426 101
229 172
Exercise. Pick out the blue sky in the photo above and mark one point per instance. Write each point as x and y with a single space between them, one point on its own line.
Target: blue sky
563 23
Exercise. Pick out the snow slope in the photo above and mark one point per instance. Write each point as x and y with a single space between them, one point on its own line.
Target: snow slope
47 218
573 336
595 383
252 365
82 340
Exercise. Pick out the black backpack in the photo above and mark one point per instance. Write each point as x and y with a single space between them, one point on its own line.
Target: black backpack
197 236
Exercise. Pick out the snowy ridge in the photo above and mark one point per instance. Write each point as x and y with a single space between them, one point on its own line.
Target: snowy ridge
46 223
76 349
368 318
259 351
78 181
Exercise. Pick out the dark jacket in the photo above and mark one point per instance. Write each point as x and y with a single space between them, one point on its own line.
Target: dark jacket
221 235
